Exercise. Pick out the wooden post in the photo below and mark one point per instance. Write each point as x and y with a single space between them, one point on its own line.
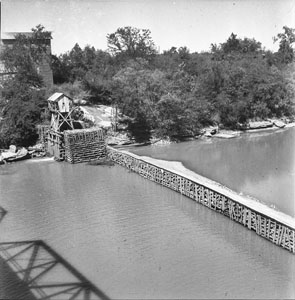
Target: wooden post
268 228
274 232
245 216
293 234
249 219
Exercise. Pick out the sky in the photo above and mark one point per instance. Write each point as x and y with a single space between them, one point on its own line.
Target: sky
191 23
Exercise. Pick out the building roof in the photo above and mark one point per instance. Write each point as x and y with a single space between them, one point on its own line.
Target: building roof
56 96
12 35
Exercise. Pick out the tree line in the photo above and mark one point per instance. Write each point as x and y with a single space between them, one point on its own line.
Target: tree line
173 94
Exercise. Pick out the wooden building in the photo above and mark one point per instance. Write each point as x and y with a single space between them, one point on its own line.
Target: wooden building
61 107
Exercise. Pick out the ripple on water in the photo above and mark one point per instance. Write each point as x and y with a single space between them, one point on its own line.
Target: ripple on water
134 238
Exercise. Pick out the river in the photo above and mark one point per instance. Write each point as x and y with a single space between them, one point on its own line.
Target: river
260 164
136 239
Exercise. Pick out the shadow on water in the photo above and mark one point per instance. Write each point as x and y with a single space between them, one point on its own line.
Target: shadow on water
33 270
3 212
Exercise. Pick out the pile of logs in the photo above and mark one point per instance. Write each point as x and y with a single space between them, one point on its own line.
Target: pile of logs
84 145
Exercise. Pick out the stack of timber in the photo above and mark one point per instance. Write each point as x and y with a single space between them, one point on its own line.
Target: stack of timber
84 145
275 226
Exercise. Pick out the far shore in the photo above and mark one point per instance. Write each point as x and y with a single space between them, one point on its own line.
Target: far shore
221 133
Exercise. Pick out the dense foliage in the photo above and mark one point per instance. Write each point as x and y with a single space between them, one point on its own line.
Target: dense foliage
176 93
22 102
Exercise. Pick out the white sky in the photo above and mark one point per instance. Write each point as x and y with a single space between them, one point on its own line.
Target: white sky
192 23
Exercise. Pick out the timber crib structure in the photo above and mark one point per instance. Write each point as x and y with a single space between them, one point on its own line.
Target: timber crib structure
63 141
84 145
266 222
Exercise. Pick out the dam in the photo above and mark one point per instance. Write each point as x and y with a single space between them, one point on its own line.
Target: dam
272 225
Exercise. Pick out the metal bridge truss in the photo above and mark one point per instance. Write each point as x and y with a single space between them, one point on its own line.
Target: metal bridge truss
46 273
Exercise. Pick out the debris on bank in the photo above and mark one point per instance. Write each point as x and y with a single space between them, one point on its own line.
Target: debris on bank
12 154
251 126
259 125
160 142
279 124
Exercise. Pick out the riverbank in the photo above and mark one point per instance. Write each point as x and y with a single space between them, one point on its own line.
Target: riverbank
122 140
274 124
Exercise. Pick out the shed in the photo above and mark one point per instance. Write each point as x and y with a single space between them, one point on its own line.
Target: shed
60 102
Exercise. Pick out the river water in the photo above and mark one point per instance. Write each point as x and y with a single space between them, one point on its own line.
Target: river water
259 164
136 239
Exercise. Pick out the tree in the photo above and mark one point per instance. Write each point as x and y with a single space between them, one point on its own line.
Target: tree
97 80
23 94
61 71
131 42
22 111
174 120
250 45
98 87
232 44
136 90
236 48
286 40
78 68
27 50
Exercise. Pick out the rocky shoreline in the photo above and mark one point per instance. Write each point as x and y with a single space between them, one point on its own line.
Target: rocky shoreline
121 140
